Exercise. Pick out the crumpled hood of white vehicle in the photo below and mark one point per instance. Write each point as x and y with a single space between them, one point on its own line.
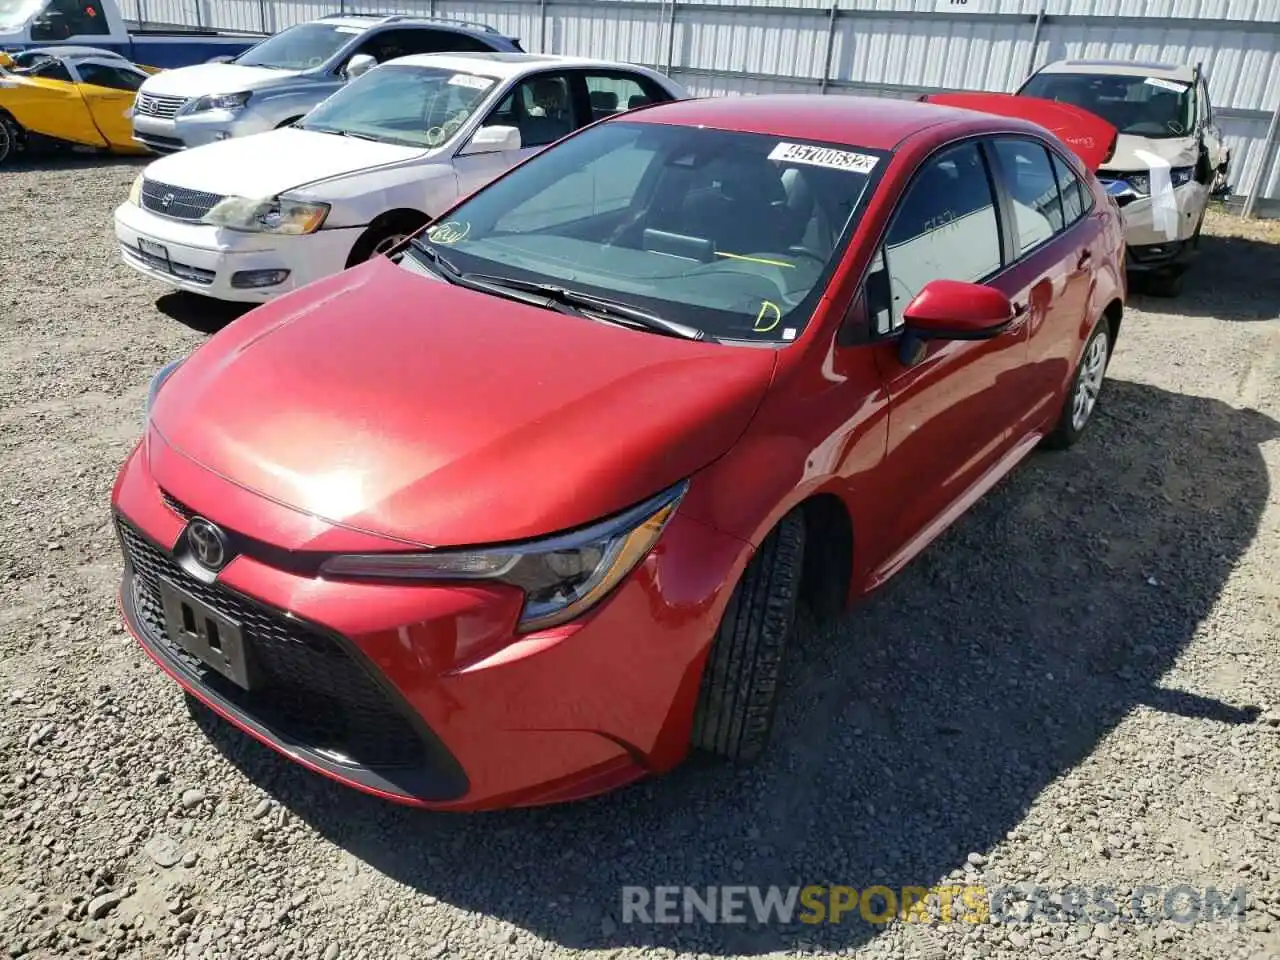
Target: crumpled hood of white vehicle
1128 156
266 164
205 79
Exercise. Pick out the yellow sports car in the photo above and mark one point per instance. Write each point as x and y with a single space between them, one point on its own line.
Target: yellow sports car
69 95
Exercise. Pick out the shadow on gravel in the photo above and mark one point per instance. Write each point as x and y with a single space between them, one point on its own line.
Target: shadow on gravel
918 730
1232 278
68 160
201 314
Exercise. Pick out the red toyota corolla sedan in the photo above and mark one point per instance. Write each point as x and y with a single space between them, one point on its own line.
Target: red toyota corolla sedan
525 512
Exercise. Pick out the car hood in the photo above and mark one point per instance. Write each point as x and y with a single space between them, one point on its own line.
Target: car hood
1136 153
389 403
266 164
204 79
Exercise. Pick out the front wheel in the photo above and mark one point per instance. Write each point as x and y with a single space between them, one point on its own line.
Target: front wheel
10 139
1086 387
382 238
740 680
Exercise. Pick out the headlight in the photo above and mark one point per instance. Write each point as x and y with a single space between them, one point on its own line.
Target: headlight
218 101
157 382
1181 175
290 217
562 577
1139 182
135 191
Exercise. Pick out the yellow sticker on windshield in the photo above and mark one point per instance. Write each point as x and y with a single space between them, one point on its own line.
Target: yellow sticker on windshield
770 316
451 231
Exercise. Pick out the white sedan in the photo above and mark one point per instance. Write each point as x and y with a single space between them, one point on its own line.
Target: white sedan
253 217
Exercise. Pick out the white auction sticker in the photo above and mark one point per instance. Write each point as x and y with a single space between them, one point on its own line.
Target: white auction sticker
1167 84
824 157
467 80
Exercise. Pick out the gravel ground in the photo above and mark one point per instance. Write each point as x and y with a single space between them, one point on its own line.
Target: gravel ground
1078 685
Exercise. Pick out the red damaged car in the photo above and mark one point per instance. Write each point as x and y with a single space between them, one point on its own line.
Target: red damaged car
525 512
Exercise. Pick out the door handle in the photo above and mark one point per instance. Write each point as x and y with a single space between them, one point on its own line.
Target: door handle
1085 256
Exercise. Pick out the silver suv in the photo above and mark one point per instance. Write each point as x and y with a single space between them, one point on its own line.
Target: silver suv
279 80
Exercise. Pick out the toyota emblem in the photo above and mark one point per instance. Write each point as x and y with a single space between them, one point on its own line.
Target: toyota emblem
208 544
166 200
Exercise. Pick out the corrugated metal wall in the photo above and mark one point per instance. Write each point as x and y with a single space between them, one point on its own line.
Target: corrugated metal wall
886 47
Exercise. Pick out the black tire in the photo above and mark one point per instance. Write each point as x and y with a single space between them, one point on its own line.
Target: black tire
1068 429
381 235
739 688
1165 284
11 139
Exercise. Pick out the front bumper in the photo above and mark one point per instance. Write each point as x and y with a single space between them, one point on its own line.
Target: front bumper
169 135
205 259
422 694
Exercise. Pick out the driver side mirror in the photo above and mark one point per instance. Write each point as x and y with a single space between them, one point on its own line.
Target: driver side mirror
359 65
496 139
953 310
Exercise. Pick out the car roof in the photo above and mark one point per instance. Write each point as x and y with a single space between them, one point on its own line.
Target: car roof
1124 68
70 51
876 123
504 65
367 21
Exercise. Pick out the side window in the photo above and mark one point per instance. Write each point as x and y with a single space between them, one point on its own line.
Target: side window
71 18
1033 190
101 75
612 93
402 43
52 70
1074 201
540 107
945 228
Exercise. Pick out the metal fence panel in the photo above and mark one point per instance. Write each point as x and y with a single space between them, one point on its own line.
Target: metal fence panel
884 47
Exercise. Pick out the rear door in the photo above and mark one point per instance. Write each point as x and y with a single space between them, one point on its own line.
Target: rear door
1054 239
953 409
109 90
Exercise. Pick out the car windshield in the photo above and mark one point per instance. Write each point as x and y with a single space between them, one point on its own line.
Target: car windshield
298 48
15 14
730 234
399 103
1140 106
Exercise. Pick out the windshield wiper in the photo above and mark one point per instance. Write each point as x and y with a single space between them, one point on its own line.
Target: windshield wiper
451 273
614 310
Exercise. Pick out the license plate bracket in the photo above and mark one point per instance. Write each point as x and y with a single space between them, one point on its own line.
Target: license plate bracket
217 640
156 251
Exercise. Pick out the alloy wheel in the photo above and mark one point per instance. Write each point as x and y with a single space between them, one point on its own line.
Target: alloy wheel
6 141
388 243
1089 381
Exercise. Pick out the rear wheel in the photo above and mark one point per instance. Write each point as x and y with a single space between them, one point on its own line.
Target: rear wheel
740 681
1082 401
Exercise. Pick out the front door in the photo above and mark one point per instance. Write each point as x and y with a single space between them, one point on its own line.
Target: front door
542 108
109 91
953 407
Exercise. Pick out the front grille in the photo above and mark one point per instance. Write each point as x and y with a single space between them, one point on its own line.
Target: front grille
177 202
183 271
313 692
150 105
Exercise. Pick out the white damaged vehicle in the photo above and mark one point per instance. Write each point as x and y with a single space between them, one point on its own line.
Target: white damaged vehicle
250 218
1169 157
